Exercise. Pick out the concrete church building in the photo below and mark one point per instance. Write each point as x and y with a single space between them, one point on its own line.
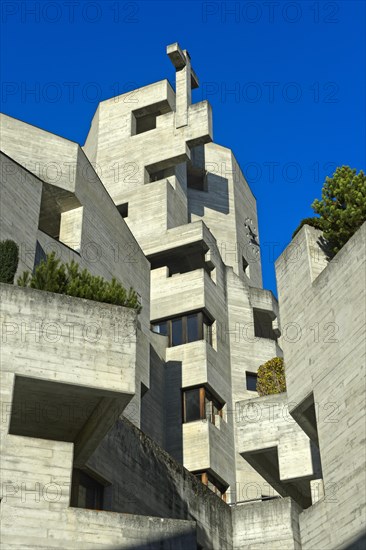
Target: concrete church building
144 431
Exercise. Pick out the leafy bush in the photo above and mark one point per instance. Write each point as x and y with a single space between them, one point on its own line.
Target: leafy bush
9 258
271 377
342 207
53 276
314 222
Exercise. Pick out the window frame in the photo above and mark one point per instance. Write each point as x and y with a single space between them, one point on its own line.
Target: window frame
204 396
249 374
202 332
82 478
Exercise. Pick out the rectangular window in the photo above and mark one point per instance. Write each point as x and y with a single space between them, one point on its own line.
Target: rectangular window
86 492
213 407
177 333
192 405
251 379
206 406
160 328
192 328
185 329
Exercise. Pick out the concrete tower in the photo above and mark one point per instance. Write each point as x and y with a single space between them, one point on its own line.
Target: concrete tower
192 212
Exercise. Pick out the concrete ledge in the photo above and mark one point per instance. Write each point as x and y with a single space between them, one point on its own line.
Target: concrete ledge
68 365
76 528
262 525
271 441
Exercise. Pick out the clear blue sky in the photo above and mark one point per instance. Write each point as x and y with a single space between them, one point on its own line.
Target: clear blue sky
297 69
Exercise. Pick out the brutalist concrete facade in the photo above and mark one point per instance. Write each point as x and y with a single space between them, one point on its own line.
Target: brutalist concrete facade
154 416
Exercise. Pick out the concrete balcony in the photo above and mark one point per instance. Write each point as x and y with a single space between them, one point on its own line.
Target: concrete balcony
68 366
200 365
196 445
273 444
197 359
204 448
181 293
176 237
264 300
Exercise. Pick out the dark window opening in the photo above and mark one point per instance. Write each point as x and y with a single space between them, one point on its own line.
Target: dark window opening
201 404
123 209
263 324
192 328
192 405
185 329
213 483
145 123
176 332
86 491
144 119
245 267
251 378
181 259
196 178
196 172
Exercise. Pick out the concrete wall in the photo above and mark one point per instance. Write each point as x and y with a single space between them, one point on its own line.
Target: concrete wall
166 218
35 513
20 224
146 480
123 157
273 524
226 207
323 323
106 246
247 353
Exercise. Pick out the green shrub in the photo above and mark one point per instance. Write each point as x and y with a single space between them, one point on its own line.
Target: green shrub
314 222
342 207
53 276
9 258
341 210
271 377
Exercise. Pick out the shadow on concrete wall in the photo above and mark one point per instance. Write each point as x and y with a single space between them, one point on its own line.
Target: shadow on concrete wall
357 544
180 542
216 198
173 410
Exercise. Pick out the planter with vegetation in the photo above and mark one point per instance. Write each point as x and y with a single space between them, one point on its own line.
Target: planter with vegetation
53 276
271 377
